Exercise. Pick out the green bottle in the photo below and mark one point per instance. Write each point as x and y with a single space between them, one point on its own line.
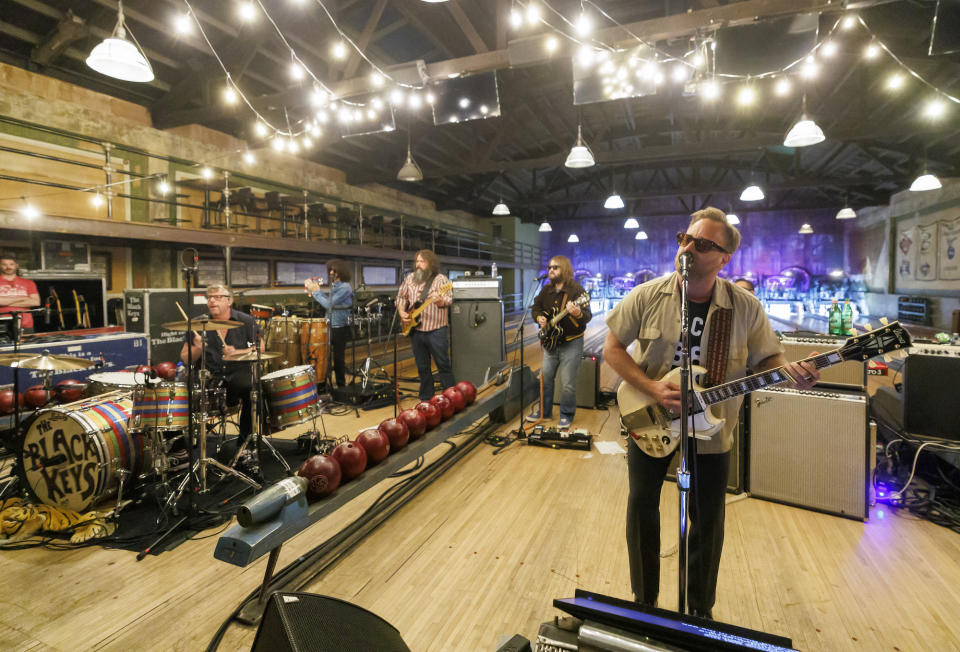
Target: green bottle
846 317
835 319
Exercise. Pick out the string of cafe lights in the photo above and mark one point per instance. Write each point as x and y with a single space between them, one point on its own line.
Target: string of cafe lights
708 88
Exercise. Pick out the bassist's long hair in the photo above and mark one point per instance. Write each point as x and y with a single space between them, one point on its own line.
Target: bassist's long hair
566 268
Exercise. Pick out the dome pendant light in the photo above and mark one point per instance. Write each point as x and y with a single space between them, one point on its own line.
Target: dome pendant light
753 192
117 57
925 181
804 131
580 155
545 227
501 208
410 170
613 202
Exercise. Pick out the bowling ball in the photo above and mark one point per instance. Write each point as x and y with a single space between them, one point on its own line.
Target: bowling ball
37 396
146 370
6 401
444 405
166 370
416 424
375 443
352 459
396 431
468 390
68 394
454 396
431 414
323 475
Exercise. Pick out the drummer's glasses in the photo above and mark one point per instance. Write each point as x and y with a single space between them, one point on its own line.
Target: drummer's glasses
703 245
218 297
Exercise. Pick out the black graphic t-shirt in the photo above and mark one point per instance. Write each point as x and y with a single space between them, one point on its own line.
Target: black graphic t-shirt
698 319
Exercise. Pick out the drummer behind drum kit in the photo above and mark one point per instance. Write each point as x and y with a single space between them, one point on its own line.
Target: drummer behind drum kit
131 426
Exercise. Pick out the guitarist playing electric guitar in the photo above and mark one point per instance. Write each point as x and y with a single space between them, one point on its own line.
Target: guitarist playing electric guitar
562 338
729 333
427 293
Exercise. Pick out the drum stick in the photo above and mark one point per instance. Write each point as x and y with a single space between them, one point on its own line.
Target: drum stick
185 318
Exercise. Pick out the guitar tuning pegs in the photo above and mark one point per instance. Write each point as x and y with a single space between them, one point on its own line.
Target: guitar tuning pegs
868 326
887 358
854 332
884 321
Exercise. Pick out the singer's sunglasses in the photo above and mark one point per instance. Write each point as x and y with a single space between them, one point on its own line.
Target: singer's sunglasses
553 266
703 245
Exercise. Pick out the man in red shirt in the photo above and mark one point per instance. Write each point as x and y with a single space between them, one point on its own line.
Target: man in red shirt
430 338
15 292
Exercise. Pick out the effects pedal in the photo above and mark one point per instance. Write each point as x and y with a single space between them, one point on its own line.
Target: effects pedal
552 438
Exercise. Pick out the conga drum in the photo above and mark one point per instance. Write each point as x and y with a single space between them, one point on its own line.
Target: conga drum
283 337
314 345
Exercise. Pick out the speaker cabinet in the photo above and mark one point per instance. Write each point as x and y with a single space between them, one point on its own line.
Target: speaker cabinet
476 338
930 405
308 622
849 375
588 382
811 449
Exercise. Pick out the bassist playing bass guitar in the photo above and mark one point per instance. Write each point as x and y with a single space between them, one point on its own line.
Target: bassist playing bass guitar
562 338
729 333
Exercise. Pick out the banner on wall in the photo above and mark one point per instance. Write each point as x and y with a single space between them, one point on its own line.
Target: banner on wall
926 268
948 245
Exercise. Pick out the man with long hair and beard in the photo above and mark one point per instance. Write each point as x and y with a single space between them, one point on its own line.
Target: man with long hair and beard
557 295
430 338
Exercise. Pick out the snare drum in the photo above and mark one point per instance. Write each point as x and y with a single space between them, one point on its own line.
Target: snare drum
71 453
291 395
112 381
162 407
283 337
314 343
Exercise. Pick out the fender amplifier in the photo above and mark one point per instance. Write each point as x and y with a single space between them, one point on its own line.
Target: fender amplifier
811 449
850 374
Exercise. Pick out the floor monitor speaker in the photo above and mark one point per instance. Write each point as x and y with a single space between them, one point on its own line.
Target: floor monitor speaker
930 405
811 449
305 621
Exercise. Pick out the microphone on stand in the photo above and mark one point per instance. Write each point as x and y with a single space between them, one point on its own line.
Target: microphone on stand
686 262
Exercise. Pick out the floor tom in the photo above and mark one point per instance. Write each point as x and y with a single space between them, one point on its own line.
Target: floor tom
291 396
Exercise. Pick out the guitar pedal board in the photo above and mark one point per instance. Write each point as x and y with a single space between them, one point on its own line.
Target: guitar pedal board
578 439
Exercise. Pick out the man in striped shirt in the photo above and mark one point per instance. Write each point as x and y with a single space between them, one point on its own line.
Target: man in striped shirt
430 338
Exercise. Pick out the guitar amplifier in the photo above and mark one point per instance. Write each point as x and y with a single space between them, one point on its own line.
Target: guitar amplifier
476 287
588 382
848 375
811 449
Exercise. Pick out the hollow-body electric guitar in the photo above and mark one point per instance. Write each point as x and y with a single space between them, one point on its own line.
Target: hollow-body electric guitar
551 335
414 315
656 430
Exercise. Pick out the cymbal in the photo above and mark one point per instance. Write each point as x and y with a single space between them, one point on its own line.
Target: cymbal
44 361
250 356
202 325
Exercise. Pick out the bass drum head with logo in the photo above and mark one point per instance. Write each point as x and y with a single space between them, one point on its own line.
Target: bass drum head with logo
71 454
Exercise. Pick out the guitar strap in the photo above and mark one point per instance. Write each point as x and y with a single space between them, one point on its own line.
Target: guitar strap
426 288
719 344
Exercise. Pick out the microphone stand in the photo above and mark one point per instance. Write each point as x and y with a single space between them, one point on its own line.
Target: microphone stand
683 475
192 479
521 432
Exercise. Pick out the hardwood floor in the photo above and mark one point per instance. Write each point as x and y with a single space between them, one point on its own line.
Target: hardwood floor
482 552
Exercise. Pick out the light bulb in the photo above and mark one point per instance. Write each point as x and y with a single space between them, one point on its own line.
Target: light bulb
746 96
260 129
339 50
848 21
934 109
376 79
206 173
828 49
533 14
97 200
895 82
296 71
710 90
230 96
584 25
249 158
247 11
872 51
516 19
183 23
551 44
782 87
30 212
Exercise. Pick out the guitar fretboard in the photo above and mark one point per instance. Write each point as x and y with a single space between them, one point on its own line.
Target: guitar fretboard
776 376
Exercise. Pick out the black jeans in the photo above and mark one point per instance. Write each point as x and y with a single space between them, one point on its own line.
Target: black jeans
707 510
433 343
338 340
239 385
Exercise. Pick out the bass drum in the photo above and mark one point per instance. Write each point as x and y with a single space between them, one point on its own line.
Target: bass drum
71 454
283 337
315 345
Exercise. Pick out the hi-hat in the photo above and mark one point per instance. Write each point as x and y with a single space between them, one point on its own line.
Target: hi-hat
202 325
44 362
250 356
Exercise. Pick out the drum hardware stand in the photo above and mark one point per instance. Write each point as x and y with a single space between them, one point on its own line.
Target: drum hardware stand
368 376
257 437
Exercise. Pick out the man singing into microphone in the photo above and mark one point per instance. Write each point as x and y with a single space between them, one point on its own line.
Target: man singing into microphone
726 323
338 302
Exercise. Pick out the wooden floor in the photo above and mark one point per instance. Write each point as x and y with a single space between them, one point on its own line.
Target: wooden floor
483 551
